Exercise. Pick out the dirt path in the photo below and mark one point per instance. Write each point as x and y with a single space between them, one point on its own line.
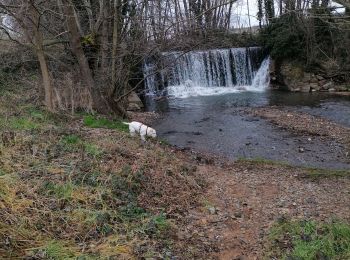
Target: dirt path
244 200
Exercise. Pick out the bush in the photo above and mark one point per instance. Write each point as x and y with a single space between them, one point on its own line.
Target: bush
315 40
284 38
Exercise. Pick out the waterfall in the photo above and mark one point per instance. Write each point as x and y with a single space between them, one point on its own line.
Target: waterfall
209 72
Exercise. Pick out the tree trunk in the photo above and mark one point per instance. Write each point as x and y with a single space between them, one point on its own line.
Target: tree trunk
38 42
99 103
46 79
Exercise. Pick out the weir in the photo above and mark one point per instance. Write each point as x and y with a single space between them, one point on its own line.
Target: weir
208 72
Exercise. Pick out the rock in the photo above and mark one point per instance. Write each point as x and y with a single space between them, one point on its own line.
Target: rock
314 80
212 210
305 89
328 85
133 107
319 77
322 82
295 90
238 214
314 86
341 88
135 102
307 77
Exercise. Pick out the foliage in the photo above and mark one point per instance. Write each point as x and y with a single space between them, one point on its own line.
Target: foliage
309 240
284 38
318 41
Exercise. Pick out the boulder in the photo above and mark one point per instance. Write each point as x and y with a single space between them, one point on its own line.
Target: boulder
305 89
314 86
319 77
296 89
135 102
328 85
133 107
341 88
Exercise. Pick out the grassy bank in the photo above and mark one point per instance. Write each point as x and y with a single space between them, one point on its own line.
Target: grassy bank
309 240
80 187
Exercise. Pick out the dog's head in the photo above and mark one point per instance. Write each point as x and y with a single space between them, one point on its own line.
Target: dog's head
151 132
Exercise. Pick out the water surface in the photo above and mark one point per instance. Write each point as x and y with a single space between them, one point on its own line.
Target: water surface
217 124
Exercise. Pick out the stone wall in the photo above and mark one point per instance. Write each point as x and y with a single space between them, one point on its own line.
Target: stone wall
292 77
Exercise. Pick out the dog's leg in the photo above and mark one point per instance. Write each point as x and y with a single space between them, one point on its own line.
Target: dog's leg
143 137
132 131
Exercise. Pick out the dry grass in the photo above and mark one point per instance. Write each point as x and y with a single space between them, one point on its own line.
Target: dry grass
69 191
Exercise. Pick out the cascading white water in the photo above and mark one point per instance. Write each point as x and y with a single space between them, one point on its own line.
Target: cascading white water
199 73
262 77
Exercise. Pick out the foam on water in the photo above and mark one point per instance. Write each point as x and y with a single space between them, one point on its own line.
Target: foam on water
190 89
206 73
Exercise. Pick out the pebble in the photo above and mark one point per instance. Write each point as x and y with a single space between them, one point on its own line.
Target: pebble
238 214
212 210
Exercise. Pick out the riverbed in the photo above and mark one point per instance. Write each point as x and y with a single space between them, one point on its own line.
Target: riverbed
220 125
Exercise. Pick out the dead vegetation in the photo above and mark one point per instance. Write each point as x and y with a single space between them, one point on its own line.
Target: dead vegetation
67 190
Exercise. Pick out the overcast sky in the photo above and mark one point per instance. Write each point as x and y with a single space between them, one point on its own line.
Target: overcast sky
240 13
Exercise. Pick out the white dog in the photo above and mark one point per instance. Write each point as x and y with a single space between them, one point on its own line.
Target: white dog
142 129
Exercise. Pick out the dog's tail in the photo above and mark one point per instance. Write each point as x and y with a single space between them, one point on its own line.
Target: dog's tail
125 123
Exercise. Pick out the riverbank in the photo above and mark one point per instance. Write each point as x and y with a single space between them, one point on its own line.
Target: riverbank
80 187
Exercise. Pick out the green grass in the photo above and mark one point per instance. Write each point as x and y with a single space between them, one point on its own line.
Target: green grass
29 118
308 172
22 123
309 240
261 161
56 250
60 191
322 173
93 150
74 143
160 223
2 172
71 140
99 122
